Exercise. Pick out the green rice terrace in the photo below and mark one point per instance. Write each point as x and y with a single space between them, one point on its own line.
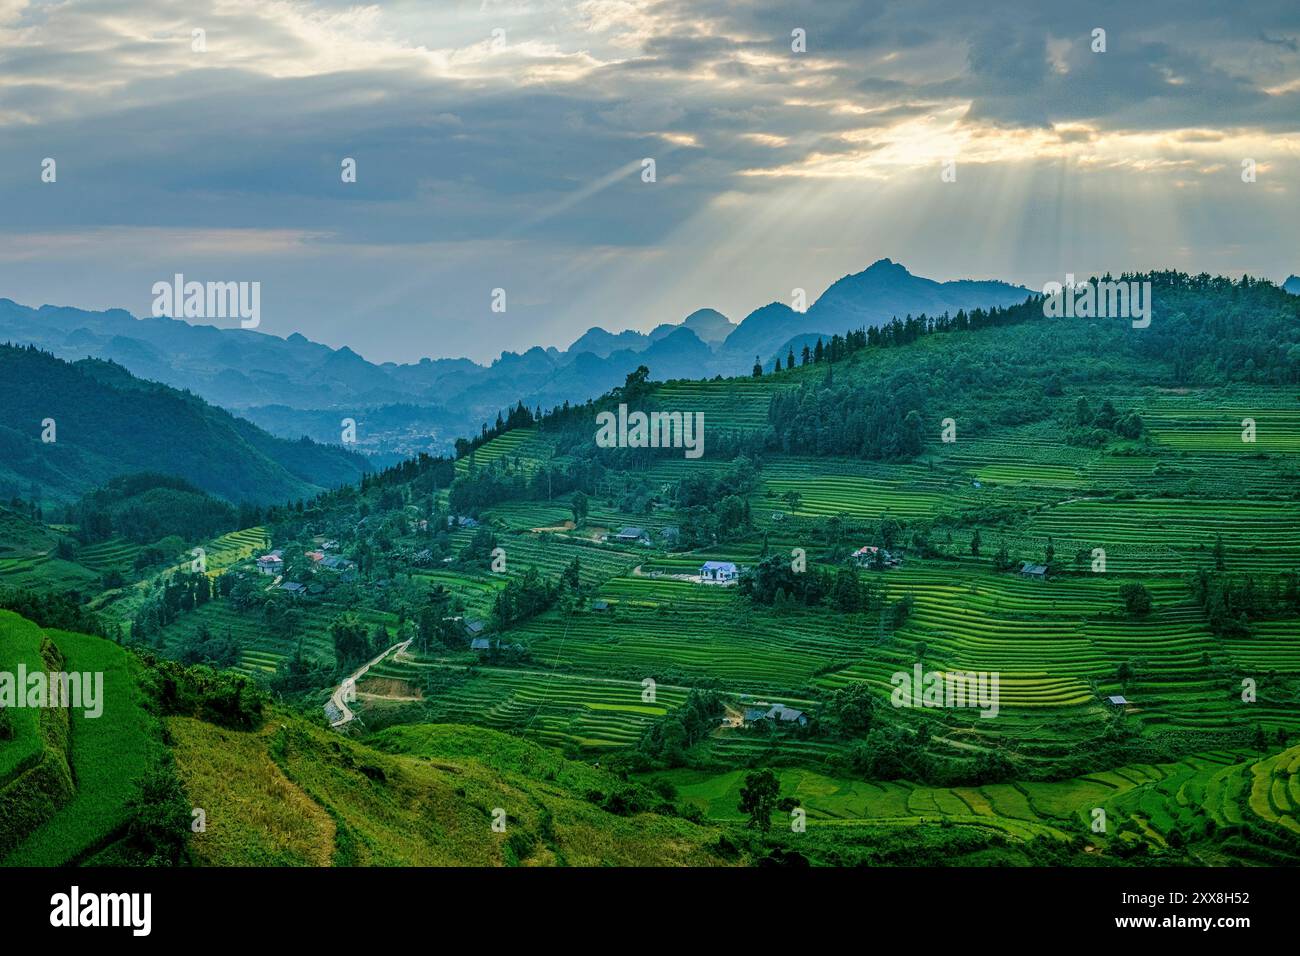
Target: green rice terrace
1085 524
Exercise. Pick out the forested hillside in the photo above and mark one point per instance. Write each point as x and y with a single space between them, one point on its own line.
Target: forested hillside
67 427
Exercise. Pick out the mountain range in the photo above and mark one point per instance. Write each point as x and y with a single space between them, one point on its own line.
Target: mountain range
294 387
67 427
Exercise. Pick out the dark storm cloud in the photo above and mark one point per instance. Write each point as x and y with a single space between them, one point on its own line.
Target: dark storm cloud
1161 68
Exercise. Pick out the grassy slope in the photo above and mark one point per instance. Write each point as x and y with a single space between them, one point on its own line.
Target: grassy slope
35 778
109 754
254 815
293 793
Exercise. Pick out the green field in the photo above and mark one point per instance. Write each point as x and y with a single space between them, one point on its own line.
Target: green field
1255 800
105 756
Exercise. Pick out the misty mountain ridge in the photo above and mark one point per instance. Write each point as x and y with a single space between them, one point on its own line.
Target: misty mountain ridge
293 386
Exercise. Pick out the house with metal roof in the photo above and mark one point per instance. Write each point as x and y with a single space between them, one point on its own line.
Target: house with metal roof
778 713
718 572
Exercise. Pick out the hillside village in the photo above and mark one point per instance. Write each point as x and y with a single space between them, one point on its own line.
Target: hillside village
681 624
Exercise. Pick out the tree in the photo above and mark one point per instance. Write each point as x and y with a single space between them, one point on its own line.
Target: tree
913 437
789 357
847 595
1050 553
572 576
636 384
975 543
1218 552
1130 426
758 368
758 798
159 816
853 708
1136 598
1082 413
350 642
580 506
1106 416
1002 560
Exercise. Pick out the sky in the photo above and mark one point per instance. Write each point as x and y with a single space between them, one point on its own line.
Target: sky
502 145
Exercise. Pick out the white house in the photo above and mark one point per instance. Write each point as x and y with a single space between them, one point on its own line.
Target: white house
718 572
270 563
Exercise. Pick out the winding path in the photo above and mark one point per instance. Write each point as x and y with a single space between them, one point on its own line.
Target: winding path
336 699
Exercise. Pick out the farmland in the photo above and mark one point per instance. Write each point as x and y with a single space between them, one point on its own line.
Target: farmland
1217 791
1114 554
104 756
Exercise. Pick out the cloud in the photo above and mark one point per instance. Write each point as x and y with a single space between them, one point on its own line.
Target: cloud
522 145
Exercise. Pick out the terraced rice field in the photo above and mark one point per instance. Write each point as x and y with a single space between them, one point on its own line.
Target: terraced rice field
1162 536
661 626
1048 641
858 497
116 554
520 446
1257 797
551 555
260 649
1219 428
45 571
554 708
735 404
229 549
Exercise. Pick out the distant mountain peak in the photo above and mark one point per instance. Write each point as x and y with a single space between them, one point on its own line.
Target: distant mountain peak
879 293
709 325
